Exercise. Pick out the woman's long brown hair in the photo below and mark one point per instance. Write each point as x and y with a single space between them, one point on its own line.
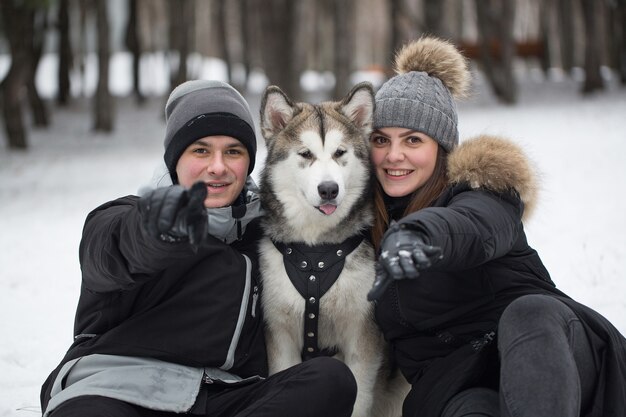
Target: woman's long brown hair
423 197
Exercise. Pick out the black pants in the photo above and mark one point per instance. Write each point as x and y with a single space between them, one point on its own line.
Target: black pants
318 387
547 365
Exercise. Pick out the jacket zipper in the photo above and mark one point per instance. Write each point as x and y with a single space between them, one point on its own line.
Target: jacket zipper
207 379
255 298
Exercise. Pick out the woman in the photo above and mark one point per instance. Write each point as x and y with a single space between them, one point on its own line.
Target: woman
168 321
475 322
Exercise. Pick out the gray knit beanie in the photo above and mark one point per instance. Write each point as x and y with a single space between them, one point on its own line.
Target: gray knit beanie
431 74
200 108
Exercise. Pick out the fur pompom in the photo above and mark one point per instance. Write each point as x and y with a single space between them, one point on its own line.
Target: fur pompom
496 164
438 58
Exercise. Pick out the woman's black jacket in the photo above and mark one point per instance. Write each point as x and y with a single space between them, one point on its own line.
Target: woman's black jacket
441 324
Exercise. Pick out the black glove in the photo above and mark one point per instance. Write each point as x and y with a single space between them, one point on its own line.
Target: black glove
403 255
174 212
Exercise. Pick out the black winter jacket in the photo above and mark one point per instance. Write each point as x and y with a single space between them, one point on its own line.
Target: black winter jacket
169 301
440 325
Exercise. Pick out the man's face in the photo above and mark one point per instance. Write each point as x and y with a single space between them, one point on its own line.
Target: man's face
221 162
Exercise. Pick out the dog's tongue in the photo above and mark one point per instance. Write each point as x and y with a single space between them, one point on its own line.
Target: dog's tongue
327 208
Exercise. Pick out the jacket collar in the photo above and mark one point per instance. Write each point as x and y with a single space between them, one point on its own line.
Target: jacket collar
227 224
496 164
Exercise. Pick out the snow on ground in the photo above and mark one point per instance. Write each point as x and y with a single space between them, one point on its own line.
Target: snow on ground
578 145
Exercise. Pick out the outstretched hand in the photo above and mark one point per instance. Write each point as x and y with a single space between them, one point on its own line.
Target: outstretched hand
175 212
403 254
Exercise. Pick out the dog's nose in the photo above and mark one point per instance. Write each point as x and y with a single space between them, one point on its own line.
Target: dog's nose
328 190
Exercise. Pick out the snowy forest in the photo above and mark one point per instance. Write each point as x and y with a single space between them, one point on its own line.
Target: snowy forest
283 39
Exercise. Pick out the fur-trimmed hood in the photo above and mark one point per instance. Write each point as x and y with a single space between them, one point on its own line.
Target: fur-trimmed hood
497 164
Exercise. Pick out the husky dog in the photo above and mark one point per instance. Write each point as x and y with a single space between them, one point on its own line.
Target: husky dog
316 266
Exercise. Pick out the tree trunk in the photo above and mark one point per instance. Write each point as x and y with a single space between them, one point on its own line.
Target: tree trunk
322 12
222 38
593 78
278 23
133 43
344 42
497 46
396 40
505 29
16 20
37 26
84 8
103 101
433 17
181 24
617 37
545 11
622 48
566 26
245 22
65 53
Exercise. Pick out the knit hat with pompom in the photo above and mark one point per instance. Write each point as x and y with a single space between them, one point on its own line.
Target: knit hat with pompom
431 74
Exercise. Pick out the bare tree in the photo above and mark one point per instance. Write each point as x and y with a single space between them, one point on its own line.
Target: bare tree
434 16
221 20
497 45
65 52
593 78
180 29
245 22
278 24
566 39
545 13
617 38
103 101
17 21
133 43
343 42
321 14
395 42
621 30
39 26
84 11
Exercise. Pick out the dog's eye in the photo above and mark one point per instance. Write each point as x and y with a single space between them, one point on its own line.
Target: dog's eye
306 154
339 152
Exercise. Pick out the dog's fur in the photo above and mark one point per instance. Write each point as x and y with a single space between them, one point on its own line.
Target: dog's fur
309 145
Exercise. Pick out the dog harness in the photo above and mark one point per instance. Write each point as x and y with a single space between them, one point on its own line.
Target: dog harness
313 270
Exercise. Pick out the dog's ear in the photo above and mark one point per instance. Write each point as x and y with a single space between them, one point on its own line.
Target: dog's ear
358 106
276 111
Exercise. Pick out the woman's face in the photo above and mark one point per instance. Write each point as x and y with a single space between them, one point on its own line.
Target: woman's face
221 162
403 159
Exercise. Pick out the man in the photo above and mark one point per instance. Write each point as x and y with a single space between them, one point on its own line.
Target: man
167 320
